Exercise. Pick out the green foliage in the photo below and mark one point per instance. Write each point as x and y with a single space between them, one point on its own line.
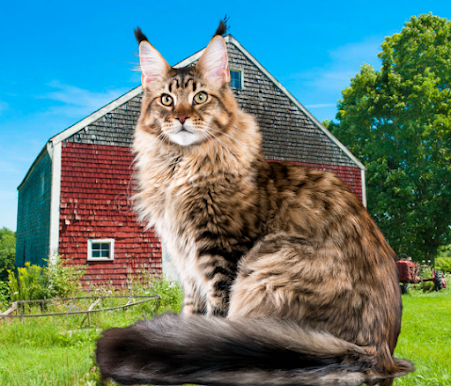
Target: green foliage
4 296
58 279
63 276
398 122
29 284
7 252
444 251
443 258
170 292
425 286
443 264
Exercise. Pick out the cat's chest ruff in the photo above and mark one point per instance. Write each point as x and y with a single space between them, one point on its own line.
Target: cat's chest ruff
206 196
186 191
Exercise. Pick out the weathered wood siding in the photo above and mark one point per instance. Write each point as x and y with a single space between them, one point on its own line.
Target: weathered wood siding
33 217
95 204
288 133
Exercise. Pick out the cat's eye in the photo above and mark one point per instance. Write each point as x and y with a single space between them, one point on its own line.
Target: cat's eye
200 98
167 100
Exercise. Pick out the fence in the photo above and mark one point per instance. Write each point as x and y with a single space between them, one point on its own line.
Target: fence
17 309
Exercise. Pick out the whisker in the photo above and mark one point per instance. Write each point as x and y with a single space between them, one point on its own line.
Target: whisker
227 135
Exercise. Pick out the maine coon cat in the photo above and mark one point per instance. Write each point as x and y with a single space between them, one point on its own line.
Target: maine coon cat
287 279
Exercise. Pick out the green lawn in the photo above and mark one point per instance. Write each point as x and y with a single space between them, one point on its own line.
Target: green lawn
40 352
60 350
426 338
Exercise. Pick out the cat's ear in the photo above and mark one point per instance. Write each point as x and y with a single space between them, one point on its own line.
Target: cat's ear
153 65
214 62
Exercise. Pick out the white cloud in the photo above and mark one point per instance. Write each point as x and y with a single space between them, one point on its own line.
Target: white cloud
359 52
320 88
8 194
321 105
346 62
76 102
8 167
3 106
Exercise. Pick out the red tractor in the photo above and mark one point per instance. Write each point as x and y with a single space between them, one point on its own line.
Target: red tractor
409 273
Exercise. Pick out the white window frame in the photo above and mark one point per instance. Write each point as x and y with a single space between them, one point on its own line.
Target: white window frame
240 70
102 241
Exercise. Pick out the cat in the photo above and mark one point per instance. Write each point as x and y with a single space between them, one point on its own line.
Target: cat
287 280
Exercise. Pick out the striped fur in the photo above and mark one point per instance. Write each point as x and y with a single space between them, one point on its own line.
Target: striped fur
288 255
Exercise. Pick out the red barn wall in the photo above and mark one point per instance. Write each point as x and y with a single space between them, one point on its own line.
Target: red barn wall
95 189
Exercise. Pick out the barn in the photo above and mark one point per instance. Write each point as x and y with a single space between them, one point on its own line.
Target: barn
75 201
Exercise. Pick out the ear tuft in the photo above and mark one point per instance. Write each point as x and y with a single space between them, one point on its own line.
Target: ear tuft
139 35
214 61
223 27
153 65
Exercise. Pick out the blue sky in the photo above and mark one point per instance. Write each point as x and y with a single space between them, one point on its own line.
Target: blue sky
60 61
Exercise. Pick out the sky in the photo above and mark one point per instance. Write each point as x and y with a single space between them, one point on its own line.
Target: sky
61 61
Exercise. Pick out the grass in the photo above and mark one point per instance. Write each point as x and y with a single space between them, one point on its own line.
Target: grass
60 350
426 338
40 351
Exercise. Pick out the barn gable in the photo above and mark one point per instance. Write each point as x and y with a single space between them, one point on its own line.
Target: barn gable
91 167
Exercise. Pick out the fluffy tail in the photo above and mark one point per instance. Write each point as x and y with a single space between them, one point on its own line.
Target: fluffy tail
173 349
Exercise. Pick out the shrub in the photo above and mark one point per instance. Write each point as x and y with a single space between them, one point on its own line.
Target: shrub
447 277
426 286
63 278
443 264
4 296
7 252
170 292
444 251
32 282
425 272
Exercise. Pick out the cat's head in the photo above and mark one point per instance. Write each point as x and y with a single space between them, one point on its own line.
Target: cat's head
186 106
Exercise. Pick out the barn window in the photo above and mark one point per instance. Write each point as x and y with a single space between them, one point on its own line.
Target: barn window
236 79
101 250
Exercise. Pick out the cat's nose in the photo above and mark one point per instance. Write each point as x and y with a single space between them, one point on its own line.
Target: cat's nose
181 118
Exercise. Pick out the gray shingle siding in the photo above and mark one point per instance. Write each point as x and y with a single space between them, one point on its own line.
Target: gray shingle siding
33 217
288 133
113 129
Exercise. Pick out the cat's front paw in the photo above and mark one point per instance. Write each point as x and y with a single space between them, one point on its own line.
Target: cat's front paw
191 309
218 307
217 312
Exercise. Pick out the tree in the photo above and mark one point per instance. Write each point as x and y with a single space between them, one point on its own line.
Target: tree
398 122
7 251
